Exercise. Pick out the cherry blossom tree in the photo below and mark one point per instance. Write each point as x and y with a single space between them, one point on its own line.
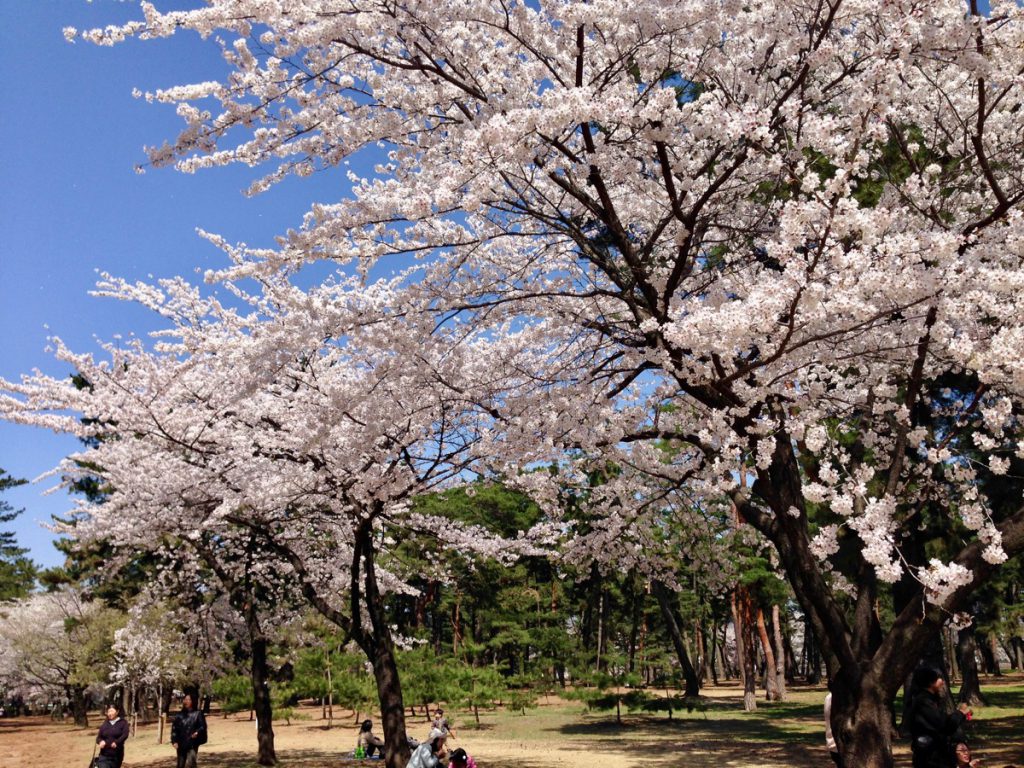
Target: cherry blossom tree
148 653
294 479
784 239
55 646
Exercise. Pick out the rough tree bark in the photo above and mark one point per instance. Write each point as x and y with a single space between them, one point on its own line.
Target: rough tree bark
746 662
379 648
987 647
259 674
970 687
79 704
865 668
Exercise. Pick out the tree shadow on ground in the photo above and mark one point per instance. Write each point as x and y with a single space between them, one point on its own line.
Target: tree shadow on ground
22 724
311 758
1003 697
786 727
999 741
292 758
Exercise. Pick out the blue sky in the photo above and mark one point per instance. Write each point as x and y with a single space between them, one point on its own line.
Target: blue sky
71 203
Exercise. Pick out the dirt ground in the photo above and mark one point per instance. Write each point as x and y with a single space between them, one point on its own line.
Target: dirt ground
557 734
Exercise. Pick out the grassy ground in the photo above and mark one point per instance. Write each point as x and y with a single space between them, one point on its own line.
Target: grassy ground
555 735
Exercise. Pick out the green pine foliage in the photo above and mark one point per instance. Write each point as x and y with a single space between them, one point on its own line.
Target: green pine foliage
234 693
17 572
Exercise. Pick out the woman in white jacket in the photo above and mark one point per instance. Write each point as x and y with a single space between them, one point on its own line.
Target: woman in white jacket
430 753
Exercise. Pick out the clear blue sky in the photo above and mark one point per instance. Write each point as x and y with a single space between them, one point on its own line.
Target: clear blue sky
71 203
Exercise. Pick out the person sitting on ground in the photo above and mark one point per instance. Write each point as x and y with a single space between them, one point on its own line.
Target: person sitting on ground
368 741
430 753
460 759
963 757
932 731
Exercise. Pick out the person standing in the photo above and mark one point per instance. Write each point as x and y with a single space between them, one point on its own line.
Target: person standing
111 738
933 731
830 741
188 733
441 723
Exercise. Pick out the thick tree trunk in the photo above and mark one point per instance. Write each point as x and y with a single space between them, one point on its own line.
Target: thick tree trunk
791 662
670 613
862 726
379 647
865 667
79 704
987 647
1017 656
392 711
970 687
950 656
260 673
811 656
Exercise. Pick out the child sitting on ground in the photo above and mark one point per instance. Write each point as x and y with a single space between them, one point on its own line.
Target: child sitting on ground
460 759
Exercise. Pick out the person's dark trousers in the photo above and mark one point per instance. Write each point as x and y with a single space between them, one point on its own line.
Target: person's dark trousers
836 758
187 757
371 748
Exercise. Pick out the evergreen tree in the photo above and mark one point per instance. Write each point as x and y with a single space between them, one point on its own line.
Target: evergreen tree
17 572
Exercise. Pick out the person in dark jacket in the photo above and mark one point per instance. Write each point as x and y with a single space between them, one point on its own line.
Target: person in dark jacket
111 738
188 732
933 731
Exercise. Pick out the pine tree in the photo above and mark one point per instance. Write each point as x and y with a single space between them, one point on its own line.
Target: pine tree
17 572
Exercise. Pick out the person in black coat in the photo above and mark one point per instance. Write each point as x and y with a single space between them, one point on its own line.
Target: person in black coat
188 732
933 731
111 738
